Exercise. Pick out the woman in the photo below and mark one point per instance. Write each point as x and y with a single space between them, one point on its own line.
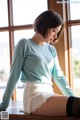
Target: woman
38 60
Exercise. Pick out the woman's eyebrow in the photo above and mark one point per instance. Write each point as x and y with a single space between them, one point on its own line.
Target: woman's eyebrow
56 29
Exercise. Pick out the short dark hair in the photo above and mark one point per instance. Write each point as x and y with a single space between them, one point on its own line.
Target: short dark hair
47 19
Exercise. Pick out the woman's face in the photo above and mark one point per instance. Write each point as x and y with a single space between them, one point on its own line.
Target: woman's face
52 34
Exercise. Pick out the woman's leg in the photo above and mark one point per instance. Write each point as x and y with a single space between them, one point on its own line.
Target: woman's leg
55 106
59 105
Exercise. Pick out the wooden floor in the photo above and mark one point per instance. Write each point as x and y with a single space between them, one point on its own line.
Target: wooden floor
15 111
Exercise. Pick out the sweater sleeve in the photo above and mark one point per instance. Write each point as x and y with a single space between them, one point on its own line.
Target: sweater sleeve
17 63
59 77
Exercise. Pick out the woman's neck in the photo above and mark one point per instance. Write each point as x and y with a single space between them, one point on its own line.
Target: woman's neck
38 39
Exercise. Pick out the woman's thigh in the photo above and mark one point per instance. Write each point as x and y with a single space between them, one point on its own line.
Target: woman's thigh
55 106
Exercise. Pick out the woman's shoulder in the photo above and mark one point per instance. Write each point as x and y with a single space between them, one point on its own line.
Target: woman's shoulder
23 41
22 44
52 49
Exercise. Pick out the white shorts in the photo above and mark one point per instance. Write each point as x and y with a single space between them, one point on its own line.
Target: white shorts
35 95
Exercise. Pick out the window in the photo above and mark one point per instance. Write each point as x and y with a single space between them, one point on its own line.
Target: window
22 34
4 60
25 11
74 13
16 21
73 23
76 58
4 13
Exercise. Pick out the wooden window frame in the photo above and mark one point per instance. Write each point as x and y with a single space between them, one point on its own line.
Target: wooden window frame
68 42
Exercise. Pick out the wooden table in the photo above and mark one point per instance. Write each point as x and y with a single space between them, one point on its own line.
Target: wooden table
15 113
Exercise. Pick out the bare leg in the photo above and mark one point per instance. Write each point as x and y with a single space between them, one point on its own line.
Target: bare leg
55 106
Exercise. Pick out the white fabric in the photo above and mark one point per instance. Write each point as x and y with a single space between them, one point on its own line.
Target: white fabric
35 95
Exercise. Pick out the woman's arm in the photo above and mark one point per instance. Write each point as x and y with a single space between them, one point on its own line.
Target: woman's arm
60 79
17 63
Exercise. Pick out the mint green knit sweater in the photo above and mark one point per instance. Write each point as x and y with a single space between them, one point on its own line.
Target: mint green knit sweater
39 64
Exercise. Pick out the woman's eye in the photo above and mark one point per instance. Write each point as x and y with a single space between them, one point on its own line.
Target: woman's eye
54 31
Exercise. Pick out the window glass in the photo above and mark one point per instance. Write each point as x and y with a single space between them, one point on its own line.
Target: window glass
22 34
25 11
76 58
75 9
4 60
3 13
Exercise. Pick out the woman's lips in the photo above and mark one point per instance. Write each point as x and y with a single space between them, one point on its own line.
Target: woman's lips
52 39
